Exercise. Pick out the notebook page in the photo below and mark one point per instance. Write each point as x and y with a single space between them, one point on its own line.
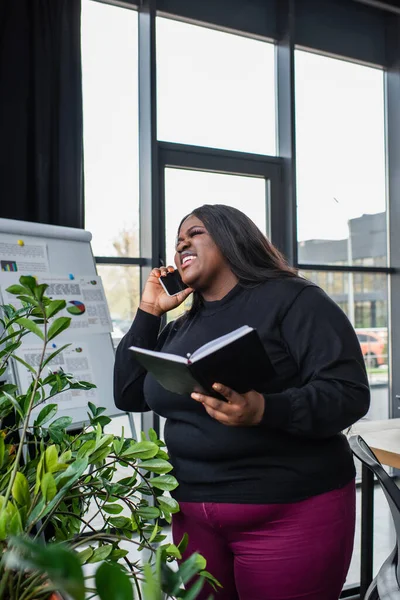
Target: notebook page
220 342
157 354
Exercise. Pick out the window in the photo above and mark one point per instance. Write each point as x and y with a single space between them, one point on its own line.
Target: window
340 138
215 89
110 120
187 189
122 289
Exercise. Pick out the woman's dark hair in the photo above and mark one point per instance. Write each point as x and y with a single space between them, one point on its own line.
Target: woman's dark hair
249 253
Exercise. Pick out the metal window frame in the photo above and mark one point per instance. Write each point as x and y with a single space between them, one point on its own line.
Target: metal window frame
198 158
392 95
149 208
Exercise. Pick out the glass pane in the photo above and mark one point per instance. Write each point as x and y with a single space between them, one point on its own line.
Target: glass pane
364 298
122 289
186 190
340 139
219 92
110 115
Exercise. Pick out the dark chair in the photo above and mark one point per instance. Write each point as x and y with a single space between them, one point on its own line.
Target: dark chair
385 586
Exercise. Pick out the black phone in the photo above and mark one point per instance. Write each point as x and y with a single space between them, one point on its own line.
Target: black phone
172 283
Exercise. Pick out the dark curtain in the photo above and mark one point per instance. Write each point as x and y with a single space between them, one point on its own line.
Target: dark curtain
41 174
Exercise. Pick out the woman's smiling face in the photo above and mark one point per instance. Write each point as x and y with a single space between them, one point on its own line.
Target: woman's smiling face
198 258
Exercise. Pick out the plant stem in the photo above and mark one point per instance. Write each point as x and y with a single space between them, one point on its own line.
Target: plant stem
30 591
19 583
3 582
25 427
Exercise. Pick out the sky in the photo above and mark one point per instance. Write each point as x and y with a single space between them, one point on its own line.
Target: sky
217 89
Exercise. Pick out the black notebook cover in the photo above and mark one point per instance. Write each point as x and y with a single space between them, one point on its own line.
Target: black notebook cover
242 365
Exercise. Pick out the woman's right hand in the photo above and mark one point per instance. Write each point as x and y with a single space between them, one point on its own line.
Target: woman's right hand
154 298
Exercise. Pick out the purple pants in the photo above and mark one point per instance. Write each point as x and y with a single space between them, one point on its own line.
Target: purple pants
298 551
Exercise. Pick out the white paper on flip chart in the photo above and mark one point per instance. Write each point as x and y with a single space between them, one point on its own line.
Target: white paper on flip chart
26 259
86 301
75 359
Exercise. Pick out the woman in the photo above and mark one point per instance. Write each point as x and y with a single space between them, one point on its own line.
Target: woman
266 479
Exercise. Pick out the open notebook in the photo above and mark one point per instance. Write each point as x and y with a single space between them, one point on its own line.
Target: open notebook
237 359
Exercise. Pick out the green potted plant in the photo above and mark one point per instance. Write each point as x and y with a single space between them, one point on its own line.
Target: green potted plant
54 484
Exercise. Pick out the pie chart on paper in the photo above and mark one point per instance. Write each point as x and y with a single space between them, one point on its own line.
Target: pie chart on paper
76 307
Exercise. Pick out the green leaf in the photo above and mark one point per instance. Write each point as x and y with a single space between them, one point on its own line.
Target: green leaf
152 435
112 583
48 487
58 326
86 449
211 579
141 450
14 402
28 282
118 553
101 553
112 509
40 289
65 456
85 555
102 420
148 512
190 567
117 446
26 365
54 307
156 529
54 354
29 301
20 490
10 336
28 324
16 289
56 435
183 543
152 580
61 423
2 450
200 562
39 473
168 505
3 526
10 349
92 408
50 459
100 455
173 550
15 525
46 414
120 522
195 589
164 482
65 481
104 440
156 465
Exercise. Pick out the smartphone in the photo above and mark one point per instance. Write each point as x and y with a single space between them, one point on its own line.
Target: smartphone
172 283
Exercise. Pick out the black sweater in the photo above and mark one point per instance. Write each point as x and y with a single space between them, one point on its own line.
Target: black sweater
320 389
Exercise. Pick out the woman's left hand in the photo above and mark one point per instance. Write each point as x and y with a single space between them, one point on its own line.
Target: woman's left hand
239 410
